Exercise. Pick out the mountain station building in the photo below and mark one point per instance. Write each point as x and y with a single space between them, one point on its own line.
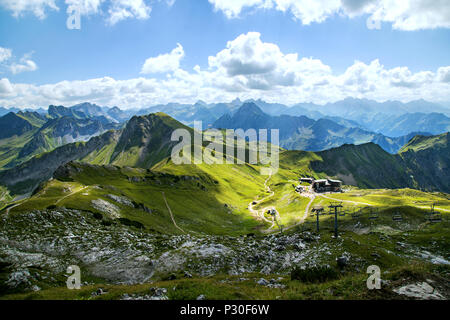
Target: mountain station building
327 185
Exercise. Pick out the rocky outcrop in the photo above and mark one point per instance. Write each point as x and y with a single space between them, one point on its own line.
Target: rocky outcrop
106 207
420 290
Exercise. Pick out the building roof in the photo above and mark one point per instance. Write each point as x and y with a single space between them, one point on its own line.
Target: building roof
335 181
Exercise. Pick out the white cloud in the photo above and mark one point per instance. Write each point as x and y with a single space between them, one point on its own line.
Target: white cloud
309 11
5 87
233 8
444 74
412 14
125 9
117 10
5 54
36 7
246 68
25 63
85 7
403 15
165 62
23 66
249 62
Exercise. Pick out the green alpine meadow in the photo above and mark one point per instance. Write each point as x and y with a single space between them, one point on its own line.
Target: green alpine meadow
224 158
139 225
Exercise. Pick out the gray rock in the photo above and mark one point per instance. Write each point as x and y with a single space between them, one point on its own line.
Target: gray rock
106 207
420 290
262 282
122 200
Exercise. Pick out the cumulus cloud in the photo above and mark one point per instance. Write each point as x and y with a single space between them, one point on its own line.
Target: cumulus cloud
444 74
248 68
357 6
125 9
25 63
233 8
309 11
249 62
117 10
84 7
403 15
165 62
37 7
23 66
5 54
412 14
5 87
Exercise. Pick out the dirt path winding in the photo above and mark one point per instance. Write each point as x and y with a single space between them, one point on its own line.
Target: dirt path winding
171 214
261 212
12 207
70 194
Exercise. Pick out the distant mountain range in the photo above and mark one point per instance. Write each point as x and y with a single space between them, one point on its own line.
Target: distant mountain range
391 118
146 141
26 134
303 133
391 125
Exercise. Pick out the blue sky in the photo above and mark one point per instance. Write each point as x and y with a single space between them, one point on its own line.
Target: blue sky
409 60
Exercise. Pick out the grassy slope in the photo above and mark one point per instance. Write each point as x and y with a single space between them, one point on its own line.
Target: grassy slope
198 205
35 120
419 143
10 147
217 202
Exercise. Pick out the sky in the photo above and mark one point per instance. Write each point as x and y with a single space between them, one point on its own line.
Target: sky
139 53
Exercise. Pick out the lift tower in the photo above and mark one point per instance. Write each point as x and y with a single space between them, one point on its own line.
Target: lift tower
335 206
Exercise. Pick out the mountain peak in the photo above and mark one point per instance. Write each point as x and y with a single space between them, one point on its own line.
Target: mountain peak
146 140
249 108
236 102
201 103
13 124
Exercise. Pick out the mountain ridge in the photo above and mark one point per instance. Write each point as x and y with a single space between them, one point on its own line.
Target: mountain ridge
146 141
303 133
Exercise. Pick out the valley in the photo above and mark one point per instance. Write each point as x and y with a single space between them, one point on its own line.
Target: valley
172 221
224 158
142 227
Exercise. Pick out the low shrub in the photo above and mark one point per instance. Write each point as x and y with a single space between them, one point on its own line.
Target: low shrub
316 274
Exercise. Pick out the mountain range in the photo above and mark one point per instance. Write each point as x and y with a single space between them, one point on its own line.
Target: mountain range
303 133
146 141
141 138
25 134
